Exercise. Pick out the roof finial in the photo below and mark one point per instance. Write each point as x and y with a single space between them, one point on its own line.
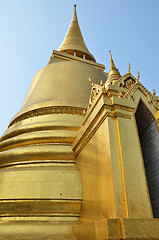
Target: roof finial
129 69
113 73
154 92
137 79
112 65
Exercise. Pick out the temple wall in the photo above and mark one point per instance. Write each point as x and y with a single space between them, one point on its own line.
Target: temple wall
109 157
95 165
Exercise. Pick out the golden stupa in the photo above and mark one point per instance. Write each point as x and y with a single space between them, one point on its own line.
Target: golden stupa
80 159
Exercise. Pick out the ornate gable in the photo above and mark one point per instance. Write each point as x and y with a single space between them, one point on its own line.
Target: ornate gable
128 85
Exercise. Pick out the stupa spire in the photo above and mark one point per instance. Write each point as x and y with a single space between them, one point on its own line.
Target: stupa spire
74 16
113 73
112 65
73 42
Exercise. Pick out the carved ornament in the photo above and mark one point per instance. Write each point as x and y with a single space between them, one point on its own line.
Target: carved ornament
50 110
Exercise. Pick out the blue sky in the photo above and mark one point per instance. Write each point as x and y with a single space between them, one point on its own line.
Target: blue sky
31 29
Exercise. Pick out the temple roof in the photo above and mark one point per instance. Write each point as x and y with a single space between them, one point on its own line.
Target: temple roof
73 41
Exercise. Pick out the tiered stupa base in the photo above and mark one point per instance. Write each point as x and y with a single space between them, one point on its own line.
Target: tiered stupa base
41 189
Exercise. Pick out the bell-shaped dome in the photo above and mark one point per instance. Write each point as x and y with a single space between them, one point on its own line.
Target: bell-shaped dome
63 83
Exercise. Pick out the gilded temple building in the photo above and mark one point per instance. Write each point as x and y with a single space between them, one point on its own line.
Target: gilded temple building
80 160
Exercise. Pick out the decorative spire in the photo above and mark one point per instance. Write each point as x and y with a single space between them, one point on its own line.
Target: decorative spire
112 65
74 17
113 73
129 69
73 42
138 76
154 92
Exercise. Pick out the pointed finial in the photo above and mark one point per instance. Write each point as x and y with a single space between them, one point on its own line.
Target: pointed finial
154 92
138 77
129 69
112 65
74 16
101 82
91 81
113 74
